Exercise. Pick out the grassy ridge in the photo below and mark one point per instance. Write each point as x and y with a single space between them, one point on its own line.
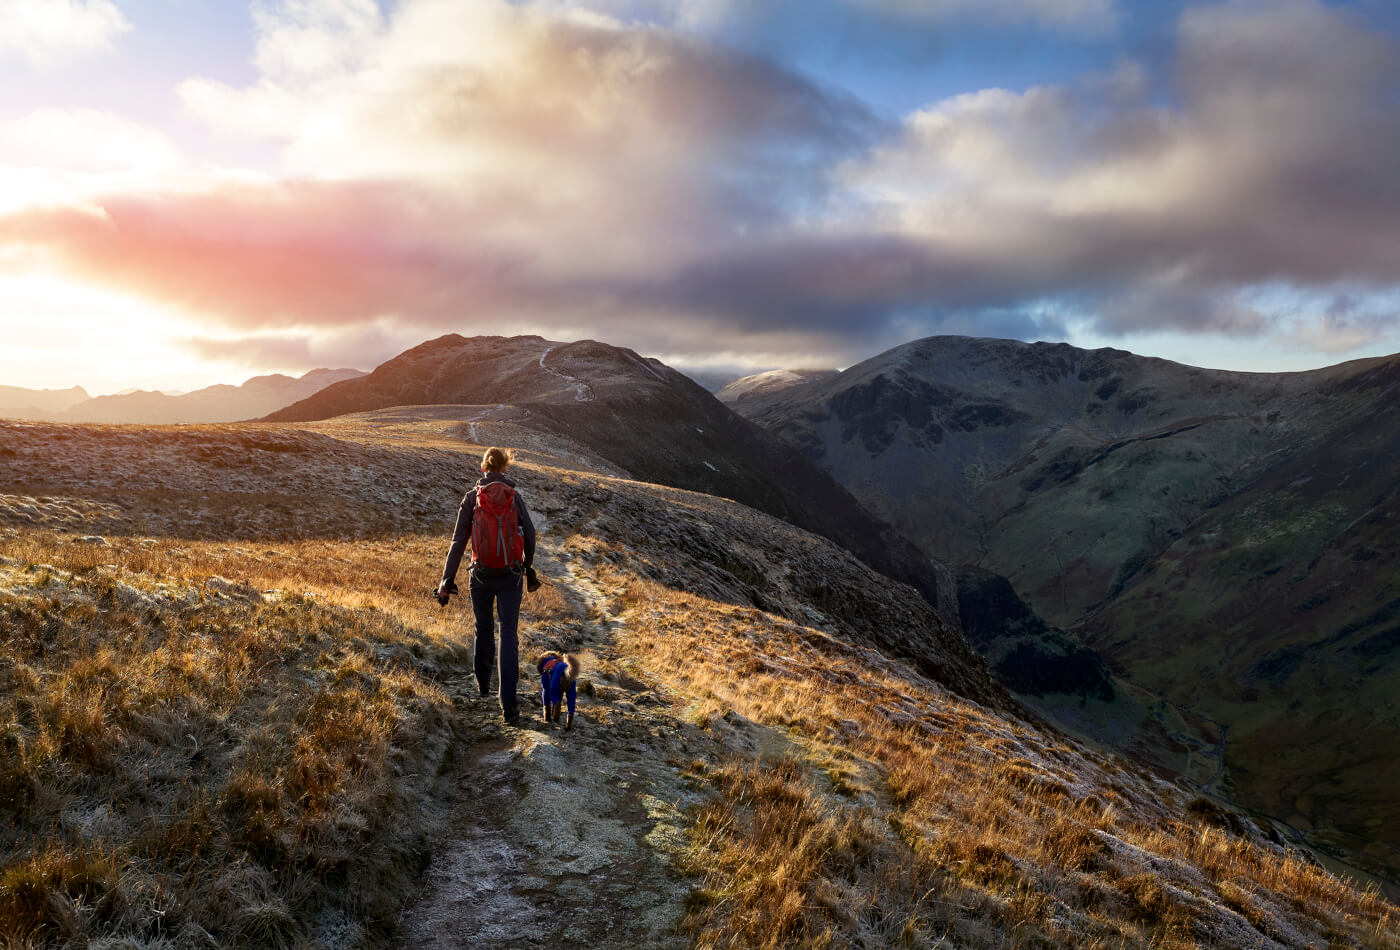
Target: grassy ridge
264 761
187 757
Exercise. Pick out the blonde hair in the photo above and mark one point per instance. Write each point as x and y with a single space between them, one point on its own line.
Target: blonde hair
496 460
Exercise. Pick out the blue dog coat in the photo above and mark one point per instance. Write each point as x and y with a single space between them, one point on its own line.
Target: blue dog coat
552 683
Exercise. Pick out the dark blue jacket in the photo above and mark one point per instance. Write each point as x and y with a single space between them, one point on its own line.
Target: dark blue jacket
462 535
552 684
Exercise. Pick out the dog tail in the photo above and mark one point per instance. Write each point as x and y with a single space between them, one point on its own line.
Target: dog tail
572 667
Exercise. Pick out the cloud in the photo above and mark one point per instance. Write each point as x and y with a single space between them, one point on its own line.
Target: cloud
42 30
1344 325
1078 15
308 253
305 39
708 15
548 168
360 347
502 167
88 140
1273 166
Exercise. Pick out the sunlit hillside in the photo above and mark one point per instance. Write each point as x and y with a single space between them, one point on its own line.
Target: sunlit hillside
232 716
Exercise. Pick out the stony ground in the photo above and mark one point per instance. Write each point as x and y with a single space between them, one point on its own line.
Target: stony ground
556 835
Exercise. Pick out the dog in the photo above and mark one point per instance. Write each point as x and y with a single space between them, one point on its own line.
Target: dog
558 675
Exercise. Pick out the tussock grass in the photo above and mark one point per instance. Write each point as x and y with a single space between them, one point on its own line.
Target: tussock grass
194 761
182 758
982 830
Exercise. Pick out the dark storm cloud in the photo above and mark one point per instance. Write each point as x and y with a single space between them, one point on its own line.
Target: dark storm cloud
1273 167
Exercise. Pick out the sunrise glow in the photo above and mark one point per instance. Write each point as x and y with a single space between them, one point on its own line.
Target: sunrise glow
189 197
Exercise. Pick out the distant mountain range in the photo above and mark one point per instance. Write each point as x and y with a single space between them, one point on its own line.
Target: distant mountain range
19 403
1225 540
256 397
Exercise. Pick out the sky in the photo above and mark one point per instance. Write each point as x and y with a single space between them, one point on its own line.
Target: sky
198 193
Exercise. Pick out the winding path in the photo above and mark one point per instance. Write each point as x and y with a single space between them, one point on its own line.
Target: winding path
582 391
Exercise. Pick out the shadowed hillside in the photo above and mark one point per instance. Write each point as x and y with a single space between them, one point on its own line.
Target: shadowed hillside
229 726
1219 538
640 415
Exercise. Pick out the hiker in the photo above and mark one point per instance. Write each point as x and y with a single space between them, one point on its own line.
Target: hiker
493 517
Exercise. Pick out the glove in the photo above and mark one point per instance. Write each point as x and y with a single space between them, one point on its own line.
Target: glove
444 591
532 580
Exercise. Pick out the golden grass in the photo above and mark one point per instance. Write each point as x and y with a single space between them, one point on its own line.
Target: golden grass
184 759
179 757
985 830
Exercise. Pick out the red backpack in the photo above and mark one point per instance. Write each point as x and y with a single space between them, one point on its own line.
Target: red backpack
497 541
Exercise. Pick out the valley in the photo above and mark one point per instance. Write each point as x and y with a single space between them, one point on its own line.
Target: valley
1222 540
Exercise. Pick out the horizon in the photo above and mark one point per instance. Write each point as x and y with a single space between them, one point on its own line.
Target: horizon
288 185
697 374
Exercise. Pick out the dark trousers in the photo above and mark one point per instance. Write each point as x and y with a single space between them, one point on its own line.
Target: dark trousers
504 592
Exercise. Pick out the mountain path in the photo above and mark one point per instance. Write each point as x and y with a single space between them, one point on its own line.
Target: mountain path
605 792
582 391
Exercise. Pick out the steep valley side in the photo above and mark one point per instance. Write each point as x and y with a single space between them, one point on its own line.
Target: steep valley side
1221 540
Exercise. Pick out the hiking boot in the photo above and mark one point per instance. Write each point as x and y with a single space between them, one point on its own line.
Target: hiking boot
512 717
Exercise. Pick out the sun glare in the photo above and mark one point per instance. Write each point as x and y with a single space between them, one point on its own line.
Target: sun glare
59 333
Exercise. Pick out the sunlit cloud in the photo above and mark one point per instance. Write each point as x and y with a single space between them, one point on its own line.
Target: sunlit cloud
87 140
610 170
44 30
1076 15
295 349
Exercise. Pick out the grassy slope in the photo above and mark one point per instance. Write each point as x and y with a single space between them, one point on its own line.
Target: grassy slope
1224 541
197 763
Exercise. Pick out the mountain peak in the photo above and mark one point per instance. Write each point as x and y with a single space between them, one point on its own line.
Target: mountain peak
768 383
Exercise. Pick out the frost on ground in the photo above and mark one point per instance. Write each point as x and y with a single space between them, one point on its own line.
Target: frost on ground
754 729
555 834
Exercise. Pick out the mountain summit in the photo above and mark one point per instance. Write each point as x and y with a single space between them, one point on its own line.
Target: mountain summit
642 416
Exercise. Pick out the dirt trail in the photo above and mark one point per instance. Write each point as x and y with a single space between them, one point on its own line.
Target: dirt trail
582 391
561 835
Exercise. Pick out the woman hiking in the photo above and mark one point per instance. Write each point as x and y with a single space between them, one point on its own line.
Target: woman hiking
494 519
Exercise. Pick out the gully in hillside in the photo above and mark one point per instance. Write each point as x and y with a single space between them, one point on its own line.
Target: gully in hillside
494 520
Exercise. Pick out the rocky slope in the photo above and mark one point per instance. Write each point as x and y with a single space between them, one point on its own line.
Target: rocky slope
236 719
643 417
1220 538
